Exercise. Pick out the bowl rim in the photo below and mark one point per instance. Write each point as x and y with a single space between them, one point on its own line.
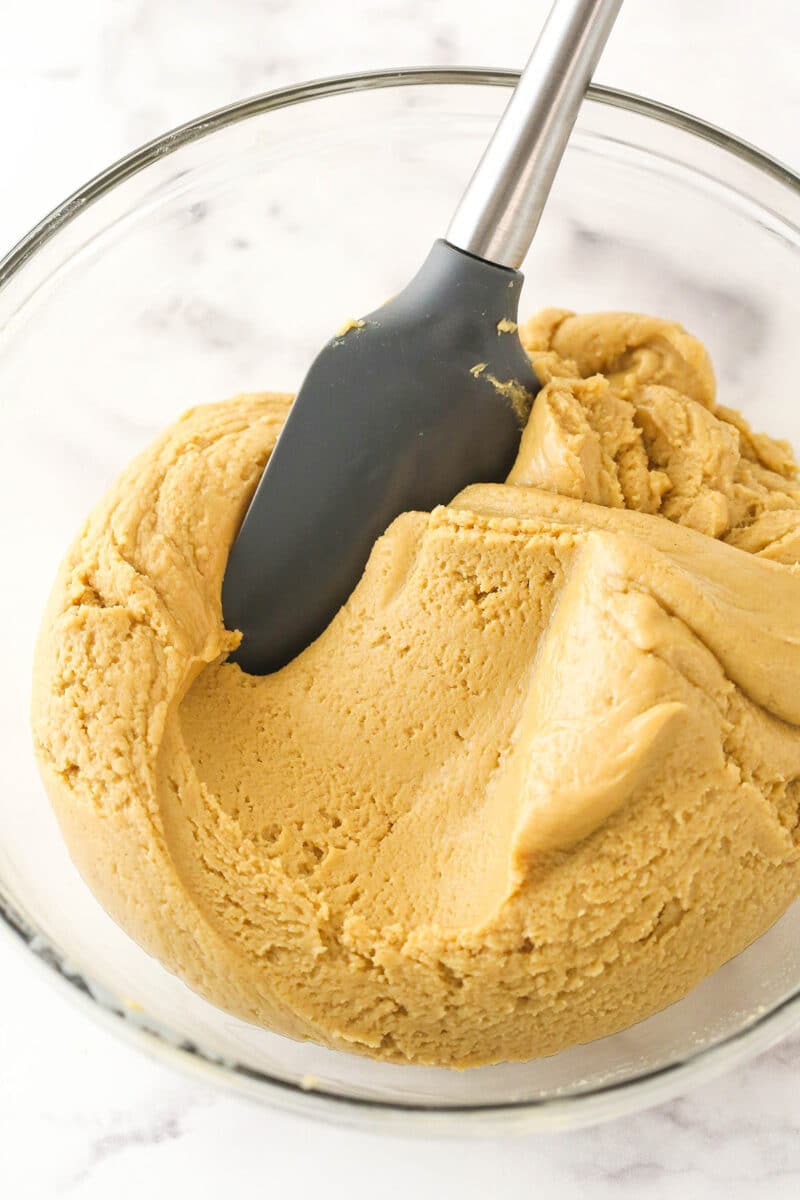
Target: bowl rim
332 85
597 1103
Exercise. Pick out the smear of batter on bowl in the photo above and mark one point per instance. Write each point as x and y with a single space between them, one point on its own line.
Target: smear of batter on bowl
539 776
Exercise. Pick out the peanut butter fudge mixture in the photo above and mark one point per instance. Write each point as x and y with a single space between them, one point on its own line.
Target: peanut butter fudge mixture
539 776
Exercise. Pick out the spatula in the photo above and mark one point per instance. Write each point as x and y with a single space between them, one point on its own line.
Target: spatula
405 407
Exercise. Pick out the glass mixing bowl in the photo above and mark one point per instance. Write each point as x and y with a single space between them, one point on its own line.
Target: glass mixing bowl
216 260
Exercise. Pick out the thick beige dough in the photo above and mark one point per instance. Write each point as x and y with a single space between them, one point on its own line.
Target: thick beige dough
539 776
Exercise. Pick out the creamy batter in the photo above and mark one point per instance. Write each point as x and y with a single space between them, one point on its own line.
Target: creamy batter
539 776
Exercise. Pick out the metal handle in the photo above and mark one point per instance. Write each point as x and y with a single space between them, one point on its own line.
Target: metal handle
501 208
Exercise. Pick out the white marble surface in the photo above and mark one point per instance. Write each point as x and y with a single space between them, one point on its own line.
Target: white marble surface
84 1116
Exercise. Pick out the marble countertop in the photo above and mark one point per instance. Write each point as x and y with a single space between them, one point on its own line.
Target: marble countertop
83 1115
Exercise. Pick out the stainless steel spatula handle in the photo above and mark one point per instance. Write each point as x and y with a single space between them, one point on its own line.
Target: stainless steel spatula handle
500 210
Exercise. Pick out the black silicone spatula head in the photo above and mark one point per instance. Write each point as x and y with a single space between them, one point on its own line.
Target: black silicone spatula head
419 398
427 394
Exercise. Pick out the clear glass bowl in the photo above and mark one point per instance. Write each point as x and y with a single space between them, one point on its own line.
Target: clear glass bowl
216 260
